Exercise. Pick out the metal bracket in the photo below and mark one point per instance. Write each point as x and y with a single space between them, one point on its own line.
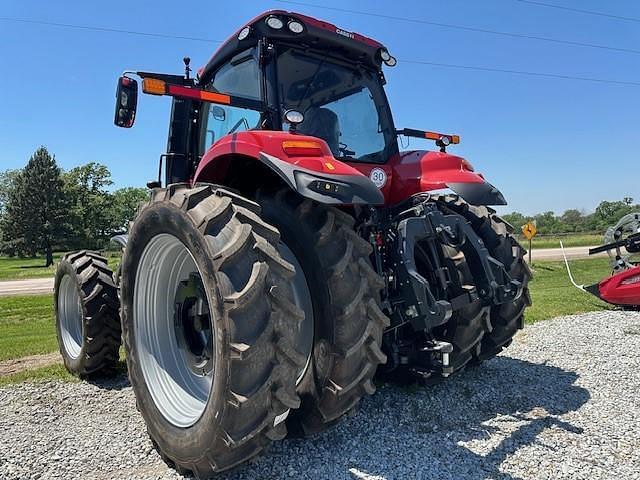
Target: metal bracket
428 225
426 311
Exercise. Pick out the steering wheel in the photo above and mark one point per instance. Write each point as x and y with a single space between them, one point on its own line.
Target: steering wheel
343 147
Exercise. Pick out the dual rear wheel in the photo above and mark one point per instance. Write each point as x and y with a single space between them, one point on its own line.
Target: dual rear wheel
234 333
244 322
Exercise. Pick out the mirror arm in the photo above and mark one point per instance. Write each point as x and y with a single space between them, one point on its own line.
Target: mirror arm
169 78
442 139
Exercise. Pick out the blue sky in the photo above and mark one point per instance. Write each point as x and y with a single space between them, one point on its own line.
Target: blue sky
548 144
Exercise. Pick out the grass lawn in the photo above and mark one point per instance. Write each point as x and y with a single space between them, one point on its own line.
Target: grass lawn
553 241
12 268
27 328
553 295
22 268
50 372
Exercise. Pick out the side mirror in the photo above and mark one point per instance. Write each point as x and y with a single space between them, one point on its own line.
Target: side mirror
126 102
218 113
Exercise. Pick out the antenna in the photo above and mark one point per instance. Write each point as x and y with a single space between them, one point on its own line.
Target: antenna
187 68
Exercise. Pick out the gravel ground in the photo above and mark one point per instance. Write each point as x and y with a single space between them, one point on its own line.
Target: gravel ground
562 403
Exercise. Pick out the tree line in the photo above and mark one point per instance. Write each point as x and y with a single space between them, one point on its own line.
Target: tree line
607 214
43 208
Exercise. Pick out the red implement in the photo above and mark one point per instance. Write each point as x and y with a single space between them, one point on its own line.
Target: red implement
620 289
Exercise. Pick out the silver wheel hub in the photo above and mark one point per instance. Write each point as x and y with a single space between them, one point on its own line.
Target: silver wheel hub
70 316
173 330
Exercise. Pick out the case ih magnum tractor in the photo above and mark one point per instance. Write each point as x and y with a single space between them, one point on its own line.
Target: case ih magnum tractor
291 252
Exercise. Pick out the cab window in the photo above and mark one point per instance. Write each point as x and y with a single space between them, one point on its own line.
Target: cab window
343 105
239 77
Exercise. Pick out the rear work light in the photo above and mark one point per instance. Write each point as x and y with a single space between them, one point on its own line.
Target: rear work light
302 148
295 26
244 33
387 58
274 22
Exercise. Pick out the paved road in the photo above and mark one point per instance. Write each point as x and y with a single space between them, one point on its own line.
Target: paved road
556 253
45 285
34 286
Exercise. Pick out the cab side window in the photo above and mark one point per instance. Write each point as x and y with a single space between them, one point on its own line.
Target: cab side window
239 77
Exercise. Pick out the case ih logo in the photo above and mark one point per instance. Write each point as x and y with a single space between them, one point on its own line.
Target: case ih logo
344 33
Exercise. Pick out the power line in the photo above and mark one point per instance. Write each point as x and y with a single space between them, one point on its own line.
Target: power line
468 29
522 72
579 10
107 29
416 62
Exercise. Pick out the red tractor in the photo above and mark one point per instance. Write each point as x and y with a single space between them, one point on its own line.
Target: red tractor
290 252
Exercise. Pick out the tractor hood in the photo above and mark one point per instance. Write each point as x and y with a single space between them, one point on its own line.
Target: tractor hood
424 171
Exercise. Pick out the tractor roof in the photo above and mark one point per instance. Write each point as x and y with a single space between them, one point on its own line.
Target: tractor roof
315 34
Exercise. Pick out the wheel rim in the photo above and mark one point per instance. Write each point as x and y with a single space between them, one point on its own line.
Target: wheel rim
173 330
302 298
70 316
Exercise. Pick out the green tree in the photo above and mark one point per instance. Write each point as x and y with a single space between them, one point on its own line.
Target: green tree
547 222
7 182
124 206
608 213
34 214
516 219
572 220
89 204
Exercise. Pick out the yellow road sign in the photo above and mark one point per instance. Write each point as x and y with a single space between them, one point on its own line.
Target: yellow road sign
529 230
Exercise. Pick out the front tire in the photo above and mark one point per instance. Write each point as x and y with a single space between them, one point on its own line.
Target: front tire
208 323
86 309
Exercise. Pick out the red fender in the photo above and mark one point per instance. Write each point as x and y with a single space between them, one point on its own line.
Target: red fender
317 175
424 171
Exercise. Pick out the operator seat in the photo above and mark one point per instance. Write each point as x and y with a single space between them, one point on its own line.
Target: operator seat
322 123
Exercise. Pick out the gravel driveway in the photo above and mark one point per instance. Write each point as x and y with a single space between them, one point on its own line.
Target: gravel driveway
563 403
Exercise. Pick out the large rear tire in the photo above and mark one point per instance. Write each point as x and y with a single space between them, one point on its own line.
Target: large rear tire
497 235
469 324
348 322
87 318
209 323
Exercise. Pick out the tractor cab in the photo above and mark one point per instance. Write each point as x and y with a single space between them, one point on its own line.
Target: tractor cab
286 77
330 77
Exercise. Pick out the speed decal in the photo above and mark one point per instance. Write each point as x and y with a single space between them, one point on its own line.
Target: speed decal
379 177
